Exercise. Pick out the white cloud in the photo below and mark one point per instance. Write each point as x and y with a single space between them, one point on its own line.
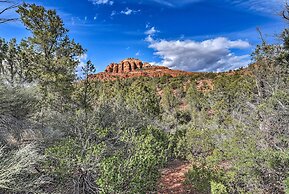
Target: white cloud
82 62
209 55
79 21
113 13
82 57
137 53
99 2
151 31
149 38
76 20
128 11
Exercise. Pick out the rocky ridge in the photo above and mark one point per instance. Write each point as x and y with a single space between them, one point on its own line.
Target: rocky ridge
131 67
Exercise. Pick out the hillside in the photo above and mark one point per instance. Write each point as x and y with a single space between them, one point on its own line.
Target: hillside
133 68
130 68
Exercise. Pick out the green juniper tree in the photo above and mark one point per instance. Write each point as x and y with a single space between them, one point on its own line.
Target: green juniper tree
54 54
143 97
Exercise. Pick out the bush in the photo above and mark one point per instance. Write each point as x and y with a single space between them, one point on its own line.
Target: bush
200 177
125 163
17 169
134 169
286 183
143 97
218 188
206 179
179 145
17 105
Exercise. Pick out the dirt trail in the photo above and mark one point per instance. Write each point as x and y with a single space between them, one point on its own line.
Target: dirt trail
173 177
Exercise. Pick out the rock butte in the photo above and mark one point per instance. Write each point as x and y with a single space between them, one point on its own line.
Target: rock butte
130 68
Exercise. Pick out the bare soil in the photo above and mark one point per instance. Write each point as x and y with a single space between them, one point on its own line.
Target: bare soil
173 179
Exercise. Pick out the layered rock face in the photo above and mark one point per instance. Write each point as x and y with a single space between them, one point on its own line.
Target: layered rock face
127 65
130 67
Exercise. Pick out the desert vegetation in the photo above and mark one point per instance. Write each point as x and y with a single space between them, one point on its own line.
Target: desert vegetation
61 134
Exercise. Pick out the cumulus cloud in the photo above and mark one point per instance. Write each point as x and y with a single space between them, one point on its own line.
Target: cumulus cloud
209 55
128 11
99 2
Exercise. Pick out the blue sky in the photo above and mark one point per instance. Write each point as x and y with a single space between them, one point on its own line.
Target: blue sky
192 35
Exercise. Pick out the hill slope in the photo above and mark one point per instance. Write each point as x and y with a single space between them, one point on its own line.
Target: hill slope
131 68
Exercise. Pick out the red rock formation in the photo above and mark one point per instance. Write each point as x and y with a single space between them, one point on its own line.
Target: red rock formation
109 68
125 66
146 65
129 68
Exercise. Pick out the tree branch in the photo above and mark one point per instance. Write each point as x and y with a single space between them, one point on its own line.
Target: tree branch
13 6
3 20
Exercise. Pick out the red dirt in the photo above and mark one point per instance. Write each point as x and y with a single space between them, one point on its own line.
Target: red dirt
173 177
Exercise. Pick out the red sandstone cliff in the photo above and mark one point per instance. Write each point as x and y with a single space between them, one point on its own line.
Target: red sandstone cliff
130 67
127 65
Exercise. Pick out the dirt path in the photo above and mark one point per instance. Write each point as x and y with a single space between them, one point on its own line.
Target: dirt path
173 177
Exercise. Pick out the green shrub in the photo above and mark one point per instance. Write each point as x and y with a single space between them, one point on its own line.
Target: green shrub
200 177
67 156
134 169
218 188
286 183
143 97
206 179
178 144
127 164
